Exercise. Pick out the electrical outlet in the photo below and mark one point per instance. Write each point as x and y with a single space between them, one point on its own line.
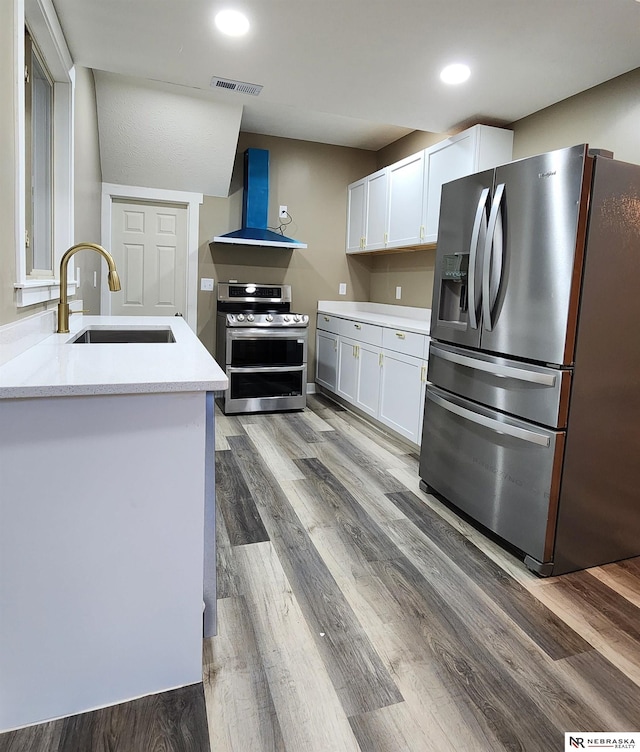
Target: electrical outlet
206 284
398 293
283 214
342 290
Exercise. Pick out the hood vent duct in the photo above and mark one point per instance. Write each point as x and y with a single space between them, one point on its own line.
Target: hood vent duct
255 206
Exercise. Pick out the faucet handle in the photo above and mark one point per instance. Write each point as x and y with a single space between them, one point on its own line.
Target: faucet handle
84 310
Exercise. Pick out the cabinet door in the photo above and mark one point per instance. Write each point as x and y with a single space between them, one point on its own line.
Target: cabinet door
402 390
368 383
347 369
448 160
327 359
376 210
356 203
406 186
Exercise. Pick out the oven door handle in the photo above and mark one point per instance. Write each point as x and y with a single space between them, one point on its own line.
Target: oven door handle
265 332
264 369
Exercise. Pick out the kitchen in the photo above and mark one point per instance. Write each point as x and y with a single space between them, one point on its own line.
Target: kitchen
603 116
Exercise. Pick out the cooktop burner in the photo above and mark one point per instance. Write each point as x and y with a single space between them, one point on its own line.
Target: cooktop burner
251 304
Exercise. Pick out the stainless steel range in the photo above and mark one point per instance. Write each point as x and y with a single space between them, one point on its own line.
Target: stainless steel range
262 346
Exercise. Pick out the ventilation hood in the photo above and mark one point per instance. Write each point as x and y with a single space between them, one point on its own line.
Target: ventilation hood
255 206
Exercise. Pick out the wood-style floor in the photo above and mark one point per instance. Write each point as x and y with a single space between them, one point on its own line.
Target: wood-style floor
358 614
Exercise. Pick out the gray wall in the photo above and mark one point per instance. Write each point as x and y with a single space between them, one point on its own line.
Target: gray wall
606 117
87 188
311 179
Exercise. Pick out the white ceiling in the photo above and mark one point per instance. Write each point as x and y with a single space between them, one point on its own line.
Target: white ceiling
141 122
364 72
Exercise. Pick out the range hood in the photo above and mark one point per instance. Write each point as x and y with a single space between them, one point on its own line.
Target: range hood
255 206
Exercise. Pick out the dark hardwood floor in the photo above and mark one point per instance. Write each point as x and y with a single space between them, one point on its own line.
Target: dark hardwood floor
173 721
358 614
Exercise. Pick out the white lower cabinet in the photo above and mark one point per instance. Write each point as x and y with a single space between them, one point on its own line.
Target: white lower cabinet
386 381
327 359
402 389
347 380
368 382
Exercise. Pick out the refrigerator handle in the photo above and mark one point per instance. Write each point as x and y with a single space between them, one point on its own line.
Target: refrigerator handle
473 255
494 425
495 369
489 246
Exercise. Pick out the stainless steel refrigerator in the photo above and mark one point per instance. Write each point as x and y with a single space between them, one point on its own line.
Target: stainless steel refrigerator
532 414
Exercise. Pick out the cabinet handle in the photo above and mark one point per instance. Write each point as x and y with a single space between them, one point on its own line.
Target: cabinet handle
326 318
358 326
423 374
401 335
380 359
335 345
421 232
386 237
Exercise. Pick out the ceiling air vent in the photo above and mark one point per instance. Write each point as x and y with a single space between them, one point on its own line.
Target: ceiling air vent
240 86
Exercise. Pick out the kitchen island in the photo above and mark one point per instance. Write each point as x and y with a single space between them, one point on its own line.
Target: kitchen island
107 519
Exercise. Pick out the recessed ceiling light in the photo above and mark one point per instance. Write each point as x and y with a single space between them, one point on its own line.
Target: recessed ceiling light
232 22
455 74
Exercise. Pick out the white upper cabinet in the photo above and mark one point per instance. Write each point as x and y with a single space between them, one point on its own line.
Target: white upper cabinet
376 207
399 206
356 202
405 205
448 160
479 148
366 213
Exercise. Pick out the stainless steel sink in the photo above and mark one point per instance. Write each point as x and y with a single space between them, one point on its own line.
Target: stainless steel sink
122 334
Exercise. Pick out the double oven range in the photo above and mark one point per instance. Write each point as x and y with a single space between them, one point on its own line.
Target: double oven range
262 346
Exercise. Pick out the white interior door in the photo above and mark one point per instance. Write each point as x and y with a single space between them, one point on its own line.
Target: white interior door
150 246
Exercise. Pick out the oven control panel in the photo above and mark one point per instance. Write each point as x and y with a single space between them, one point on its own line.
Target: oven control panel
271 319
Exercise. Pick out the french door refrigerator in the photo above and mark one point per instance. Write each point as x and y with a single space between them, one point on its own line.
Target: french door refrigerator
532 413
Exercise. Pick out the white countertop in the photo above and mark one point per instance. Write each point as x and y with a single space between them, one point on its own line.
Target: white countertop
409 319
55 368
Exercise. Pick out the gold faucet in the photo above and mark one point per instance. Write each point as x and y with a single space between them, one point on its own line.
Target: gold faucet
113 280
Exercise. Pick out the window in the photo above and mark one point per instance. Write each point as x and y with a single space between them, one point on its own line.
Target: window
38 111
44 148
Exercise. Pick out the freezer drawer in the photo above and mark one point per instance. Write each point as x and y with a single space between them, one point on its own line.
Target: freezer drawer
501 471
530 392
